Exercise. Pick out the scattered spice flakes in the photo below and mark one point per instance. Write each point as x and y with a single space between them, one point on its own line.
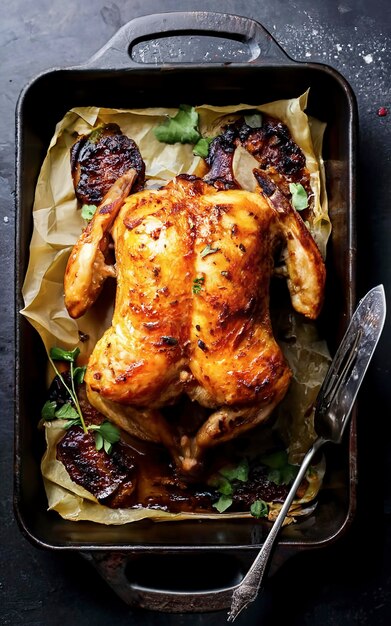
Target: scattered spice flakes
382 111
169 341
202 345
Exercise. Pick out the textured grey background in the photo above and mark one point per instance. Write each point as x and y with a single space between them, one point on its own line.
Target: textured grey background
349 583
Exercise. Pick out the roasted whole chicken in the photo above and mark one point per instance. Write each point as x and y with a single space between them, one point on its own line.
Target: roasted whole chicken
193 265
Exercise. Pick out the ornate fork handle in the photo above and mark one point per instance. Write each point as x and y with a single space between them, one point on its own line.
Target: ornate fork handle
247 590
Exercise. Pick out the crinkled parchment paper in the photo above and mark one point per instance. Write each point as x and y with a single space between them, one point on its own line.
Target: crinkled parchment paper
57 225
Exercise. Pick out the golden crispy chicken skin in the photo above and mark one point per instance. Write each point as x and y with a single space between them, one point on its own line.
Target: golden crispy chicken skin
306 272
193 268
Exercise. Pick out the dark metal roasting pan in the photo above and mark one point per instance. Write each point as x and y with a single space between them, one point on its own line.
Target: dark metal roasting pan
165 60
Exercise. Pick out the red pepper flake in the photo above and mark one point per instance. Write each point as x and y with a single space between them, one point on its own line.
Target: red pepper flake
382 112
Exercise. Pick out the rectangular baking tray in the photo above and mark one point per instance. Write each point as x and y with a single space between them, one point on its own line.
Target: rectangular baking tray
255 70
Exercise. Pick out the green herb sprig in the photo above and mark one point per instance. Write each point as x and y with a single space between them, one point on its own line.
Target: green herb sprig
259 508
105 434
197 284
299 196
88 211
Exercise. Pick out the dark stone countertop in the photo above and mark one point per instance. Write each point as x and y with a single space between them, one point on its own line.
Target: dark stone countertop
349 582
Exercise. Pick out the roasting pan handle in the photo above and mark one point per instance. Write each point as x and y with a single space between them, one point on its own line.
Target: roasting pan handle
206 581
257 45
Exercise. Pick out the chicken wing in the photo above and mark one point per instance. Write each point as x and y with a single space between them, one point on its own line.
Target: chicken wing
87 269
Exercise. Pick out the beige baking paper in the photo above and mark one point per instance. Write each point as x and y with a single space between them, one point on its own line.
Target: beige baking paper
57 224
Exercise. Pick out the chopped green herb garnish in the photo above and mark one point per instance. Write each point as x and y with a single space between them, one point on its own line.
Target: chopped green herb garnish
223 503
259 509
88 211
105 435
67 412
281 472
182 128
222 485
299 196
197 284
78 374
225 482
49 410
208 250
201 148
275 459
58 354
238 472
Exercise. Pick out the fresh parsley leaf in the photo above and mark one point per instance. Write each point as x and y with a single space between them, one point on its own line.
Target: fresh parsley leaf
223 503
79 373
275 460
49 410
208 250
201 148
109 432
299 196
88 211
225 481
67 411
182 128
281 472
259 509
107 446
105 435
238 472
75 422
222 485
254 120
58 354
284 476
99 441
